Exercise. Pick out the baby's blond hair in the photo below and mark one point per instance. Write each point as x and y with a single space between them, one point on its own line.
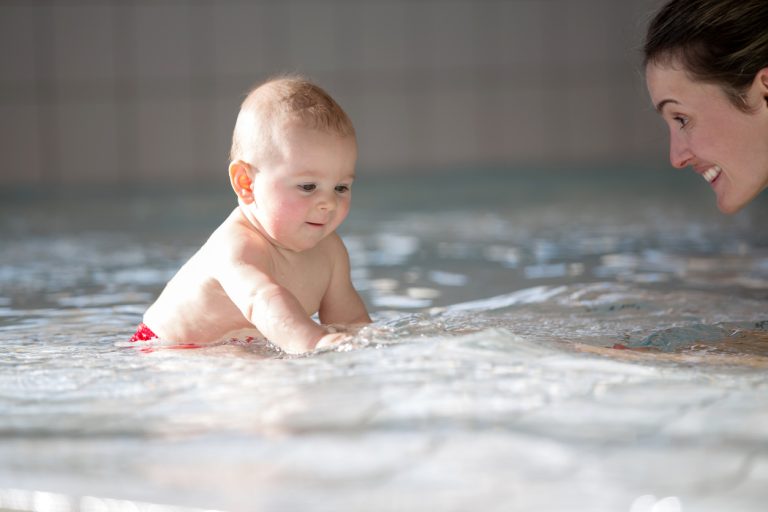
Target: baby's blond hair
282 99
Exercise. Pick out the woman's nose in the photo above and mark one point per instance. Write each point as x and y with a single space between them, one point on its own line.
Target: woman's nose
679 153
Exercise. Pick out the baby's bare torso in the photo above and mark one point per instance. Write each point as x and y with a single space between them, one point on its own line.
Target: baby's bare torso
194 306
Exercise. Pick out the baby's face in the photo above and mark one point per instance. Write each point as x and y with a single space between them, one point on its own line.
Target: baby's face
302 191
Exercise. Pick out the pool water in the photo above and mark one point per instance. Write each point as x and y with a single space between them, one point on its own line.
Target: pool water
542 341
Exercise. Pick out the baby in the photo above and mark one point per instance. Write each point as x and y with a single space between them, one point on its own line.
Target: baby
276 260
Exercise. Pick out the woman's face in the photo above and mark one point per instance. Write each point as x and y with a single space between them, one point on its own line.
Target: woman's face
724 145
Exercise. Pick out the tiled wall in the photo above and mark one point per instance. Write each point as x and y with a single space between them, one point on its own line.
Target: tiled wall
119 91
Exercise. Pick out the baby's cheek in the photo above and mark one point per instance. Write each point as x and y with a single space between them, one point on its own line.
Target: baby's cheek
290 214
344 208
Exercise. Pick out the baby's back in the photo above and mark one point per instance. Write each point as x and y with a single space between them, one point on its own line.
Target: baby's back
193 307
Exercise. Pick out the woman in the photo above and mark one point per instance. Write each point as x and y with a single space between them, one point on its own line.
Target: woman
706 65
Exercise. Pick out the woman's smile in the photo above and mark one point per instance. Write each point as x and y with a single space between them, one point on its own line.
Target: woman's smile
727 146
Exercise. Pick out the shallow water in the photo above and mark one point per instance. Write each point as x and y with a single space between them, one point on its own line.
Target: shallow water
488 381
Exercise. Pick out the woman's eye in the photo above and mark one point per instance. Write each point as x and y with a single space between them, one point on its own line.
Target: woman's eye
682 121
308 187
342 189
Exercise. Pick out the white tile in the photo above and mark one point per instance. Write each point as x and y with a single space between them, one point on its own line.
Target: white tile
165 141
20 154
516 127
594 123
381 33
83 38
428 83
442 34
18 38
211 143
312 36
226 109
87 142
241 37
512 35
451 136
162 41
648 135
591 35
383 122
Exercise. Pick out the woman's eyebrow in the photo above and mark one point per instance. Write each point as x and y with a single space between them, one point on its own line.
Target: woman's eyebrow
660 106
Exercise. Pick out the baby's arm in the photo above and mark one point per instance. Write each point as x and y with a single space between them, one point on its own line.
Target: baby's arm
341 303
248 281
280 317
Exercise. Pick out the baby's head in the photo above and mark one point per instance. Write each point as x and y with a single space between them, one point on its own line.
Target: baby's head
293 162
286 100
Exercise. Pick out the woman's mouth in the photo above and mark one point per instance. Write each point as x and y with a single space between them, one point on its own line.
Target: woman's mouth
712 173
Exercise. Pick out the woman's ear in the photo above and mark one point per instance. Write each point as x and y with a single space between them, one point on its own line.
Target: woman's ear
761 82
240 179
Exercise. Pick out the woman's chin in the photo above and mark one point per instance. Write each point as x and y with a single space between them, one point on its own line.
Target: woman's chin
730 206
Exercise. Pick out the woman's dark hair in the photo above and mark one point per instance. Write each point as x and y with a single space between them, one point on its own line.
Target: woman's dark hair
724 42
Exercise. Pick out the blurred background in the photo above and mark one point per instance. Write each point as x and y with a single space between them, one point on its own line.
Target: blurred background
114 92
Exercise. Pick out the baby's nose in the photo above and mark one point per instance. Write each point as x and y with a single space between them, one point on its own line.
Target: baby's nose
327 203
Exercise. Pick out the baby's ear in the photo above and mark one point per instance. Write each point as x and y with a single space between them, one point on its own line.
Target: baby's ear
240 180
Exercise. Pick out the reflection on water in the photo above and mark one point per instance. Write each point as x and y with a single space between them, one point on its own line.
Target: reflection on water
585 342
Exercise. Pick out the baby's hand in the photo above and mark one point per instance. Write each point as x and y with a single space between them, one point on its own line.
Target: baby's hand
332 340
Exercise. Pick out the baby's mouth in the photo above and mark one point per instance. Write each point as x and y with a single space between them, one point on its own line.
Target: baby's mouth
712 173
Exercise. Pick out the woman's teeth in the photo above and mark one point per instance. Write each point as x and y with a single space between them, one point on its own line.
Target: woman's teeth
712 173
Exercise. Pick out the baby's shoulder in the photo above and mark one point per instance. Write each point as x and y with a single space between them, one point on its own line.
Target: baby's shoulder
333 252
233 240
333 245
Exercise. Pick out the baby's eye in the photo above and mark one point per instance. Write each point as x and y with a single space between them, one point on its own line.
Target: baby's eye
307 187
342 189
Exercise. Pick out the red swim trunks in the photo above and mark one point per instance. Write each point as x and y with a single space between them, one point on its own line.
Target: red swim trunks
143 333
